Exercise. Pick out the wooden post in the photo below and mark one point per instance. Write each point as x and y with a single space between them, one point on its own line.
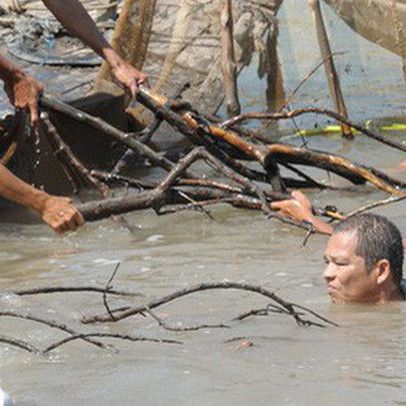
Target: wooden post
332 76
228 65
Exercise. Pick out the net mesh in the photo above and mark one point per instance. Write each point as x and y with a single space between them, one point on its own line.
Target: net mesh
277 47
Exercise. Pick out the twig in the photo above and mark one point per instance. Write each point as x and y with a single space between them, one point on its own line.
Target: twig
194 328
306 78
270 308
307 237
306 309
192 206
384 202
20 344
51 324
305 225
73 289
233 339
197 205
79 175
110 335
111 178
107 289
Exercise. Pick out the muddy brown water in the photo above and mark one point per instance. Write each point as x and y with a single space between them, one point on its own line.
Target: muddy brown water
362 362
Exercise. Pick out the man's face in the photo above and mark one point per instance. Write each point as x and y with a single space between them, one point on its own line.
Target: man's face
345 273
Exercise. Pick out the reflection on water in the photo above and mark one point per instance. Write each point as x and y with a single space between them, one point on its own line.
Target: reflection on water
362 361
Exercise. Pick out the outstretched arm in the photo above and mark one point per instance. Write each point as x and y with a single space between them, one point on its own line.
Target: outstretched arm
300 208
55 211
73 16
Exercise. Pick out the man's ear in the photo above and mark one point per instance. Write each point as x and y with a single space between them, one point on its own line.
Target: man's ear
382 271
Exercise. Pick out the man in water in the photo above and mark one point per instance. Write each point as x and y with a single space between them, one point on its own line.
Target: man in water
363 258
24 91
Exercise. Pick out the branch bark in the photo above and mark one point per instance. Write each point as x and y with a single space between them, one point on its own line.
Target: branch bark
288 306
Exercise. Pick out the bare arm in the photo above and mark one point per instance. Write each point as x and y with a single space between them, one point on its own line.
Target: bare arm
300 208
73 16
55 211
22 90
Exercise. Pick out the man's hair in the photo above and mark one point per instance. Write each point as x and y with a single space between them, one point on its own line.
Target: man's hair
377 238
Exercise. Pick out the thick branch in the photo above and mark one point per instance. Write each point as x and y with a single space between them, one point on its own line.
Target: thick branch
97 210
126 139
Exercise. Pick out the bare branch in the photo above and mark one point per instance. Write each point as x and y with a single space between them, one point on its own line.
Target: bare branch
110 335
72 289
51 324
20 344
313 110
288 306
107 288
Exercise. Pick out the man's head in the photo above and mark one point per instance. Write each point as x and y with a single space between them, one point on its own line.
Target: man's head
364 260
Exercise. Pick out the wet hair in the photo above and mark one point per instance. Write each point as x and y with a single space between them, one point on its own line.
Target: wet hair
377 238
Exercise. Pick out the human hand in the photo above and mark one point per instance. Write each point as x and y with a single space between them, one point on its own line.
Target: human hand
298 208
59 214
24 92
128 77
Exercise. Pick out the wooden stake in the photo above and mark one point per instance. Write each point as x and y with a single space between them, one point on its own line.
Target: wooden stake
228 65
332 76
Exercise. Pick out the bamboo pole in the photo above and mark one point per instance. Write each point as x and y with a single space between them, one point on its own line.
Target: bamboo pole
228 64
331 72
